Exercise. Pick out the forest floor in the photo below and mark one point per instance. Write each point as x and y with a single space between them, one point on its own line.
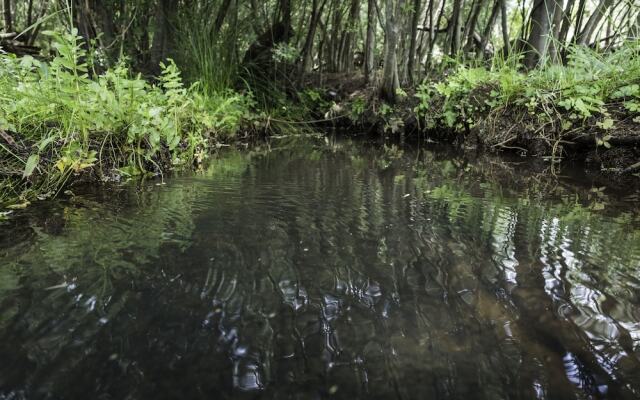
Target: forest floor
608 141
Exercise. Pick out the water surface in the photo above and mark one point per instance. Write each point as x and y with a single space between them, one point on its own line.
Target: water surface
312 269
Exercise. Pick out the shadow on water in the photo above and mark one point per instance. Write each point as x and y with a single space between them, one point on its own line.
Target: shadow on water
318 269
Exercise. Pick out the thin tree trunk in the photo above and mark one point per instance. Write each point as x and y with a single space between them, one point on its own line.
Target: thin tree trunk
454 28
8 22
107 27
585 35
504 17
390 79
424 34
555 47
349 34
433 32
220 16
372 23
33 35
322 46
470 28
489 28
30 14
417 5
334 38
285 12
257 27
83 22
579 18
634 32
307 51
403 20
566 22
299 27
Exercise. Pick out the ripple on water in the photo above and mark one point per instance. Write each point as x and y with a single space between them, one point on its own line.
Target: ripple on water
319 274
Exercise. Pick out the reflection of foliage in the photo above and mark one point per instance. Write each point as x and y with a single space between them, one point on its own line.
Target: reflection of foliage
101 241
312 240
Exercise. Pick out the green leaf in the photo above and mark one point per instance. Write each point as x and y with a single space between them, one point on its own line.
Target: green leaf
606 124
31 165
45 142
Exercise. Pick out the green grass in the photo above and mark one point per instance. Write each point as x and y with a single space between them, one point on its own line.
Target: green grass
205 56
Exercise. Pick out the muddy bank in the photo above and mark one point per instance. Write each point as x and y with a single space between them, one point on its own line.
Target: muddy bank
353 107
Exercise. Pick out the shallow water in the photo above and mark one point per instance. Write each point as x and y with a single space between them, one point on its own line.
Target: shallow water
317 269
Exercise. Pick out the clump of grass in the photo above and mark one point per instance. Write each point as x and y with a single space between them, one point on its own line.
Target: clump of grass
58 123
207 56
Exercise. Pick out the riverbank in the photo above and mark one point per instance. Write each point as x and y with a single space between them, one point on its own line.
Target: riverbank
588 110
61 122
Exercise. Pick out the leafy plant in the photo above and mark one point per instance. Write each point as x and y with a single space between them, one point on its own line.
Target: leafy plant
67 123
358 107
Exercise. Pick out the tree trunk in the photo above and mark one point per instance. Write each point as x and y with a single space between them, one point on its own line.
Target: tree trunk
454 28
585 35
220 16
390 80
504 17
302 18
470 28
307 50
83 22
30 13
163 35
634 32
285 12
555 47
541 20
433 32
334 39
346 57
579 18
566 22
372 24
8 23
486 35
425 34
257 27
415 19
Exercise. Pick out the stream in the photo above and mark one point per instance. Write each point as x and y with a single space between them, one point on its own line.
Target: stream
310 268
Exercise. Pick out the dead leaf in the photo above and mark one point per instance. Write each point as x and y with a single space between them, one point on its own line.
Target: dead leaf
8 138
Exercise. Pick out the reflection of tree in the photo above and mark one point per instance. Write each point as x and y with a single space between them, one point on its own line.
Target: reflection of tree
311 267
554 272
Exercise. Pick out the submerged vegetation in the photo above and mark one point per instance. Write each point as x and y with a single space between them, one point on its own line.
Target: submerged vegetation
99 90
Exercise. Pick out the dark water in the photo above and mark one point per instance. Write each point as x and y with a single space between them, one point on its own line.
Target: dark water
320 270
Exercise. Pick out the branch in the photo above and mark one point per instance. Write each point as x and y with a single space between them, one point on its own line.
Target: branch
427 29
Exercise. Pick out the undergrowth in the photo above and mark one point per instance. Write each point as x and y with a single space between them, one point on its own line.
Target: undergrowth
591 90
59 124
